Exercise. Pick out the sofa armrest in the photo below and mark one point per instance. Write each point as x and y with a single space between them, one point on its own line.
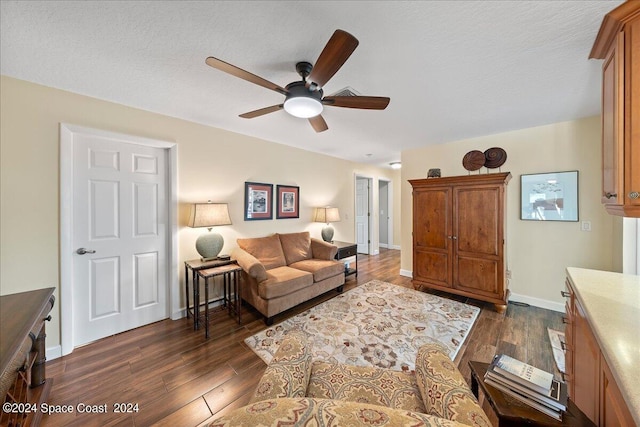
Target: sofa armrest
444 391
289 371
249 264
323 250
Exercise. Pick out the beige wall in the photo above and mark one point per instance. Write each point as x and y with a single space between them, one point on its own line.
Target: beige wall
212 164
538 252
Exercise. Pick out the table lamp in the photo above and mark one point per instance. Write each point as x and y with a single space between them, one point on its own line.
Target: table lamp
327 215
209 215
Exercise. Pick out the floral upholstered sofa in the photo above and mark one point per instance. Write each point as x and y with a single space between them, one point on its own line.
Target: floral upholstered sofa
295 390
283 270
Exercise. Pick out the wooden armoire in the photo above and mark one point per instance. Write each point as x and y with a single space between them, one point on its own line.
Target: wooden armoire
459 236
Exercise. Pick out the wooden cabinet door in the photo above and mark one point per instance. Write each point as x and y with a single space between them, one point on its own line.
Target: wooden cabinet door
586 365
618 44
432 235
569 346
613 124
632 118
478 240
613 409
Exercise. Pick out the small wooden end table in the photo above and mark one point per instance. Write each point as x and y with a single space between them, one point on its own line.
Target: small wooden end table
229 273
503 410
194 266
346 250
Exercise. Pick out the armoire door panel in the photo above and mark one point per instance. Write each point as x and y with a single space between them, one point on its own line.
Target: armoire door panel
432 220
477 275
433 267
478 233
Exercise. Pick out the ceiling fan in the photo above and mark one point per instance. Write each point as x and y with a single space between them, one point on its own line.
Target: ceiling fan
304 98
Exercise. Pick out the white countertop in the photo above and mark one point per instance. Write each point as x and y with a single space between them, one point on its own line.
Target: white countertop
612 305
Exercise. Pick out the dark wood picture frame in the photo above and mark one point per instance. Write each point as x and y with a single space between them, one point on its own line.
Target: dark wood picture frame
258 201
288 197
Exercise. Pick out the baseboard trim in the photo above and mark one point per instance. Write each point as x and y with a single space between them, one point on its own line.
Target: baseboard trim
538 302
179 314
396 247
53 352
406 273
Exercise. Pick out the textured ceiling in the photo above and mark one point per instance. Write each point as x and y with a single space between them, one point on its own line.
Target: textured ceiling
453 69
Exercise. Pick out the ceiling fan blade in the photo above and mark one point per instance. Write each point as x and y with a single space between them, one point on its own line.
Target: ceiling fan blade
363 102
338 49
245 75
318 123
262 111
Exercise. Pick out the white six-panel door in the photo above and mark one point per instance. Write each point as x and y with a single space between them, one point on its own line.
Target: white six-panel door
362 215
119 236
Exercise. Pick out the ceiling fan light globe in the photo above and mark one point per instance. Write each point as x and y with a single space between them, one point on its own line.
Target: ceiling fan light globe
302 106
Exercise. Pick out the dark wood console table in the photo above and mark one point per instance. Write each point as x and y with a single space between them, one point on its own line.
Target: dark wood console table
347 250
22 354
505 411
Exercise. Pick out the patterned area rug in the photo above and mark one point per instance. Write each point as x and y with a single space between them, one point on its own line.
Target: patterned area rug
377 324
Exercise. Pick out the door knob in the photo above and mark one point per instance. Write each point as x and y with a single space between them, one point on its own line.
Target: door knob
82 251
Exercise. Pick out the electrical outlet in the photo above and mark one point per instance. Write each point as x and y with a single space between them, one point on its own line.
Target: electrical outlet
508 274
585 226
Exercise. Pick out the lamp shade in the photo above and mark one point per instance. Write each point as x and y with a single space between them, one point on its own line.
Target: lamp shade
209 215
327 215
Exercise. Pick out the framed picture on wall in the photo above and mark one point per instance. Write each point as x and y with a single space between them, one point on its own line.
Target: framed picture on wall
258 201
549 196
288 201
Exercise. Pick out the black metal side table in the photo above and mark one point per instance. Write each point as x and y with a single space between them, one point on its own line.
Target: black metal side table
194 266
230 277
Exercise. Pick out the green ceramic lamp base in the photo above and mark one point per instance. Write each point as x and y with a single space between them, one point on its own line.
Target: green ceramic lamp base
209 246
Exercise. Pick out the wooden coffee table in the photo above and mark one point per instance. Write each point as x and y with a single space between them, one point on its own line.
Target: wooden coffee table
503 410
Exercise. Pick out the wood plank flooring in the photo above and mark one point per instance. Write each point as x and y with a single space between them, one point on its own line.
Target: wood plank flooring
177 377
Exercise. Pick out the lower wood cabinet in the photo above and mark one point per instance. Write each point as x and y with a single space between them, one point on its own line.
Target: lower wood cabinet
591 384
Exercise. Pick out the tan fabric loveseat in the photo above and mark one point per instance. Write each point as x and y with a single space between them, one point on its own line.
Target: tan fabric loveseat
283 270
294 390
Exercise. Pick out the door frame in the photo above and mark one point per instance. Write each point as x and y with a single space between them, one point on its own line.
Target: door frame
66 288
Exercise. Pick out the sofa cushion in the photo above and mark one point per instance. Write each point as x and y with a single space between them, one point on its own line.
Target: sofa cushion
267 250
320 269
365 384
282 281
296 246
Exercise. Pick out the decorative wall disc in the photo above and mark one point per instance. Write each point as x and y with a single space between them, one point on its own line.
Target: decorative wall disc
495 157
473 160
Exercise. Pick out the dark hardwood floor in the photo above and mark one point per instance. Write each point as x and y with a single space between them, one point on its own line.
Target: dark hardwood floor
178 378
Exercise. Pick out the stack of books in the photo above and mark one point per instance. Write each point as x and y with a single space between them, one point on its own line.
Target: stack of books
528 384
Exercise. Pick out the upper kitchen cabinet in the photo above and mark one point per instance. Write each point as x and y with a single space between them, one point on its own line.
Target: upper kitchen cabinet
618 44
